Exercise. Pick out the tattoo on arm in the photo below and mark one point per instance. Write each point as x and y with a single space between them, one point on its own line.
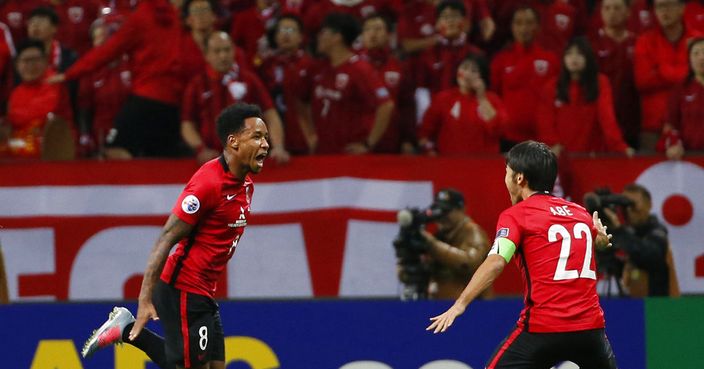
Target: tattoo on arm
174 230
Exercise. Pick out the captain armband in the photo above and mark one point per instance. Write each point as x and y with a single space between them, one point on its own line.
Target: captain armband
504 247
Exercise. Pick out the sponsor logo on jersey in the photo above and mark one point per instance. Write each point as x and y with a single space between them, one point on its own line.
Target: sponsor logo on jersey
190 204
75 14
341 80
541 66
241 222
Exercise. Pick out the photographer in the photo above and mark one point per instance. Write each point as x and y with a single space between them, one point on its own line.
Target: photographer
456 250
648 270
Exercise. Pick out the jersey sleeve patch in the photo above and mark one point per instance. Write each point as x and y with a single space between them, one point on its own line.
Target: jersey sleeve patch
503 232
190 204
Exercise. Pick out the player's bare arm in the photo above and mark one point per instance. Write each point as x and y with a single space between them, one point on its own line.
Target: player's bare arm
174 230
603 239
487 273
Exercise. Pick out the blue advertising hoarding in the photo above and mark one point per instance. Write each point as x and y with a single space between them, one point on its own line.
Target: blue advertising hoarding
305 334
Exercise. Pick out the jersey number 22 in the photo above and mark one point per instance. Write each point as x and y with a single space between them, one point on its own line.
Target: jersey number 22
579 231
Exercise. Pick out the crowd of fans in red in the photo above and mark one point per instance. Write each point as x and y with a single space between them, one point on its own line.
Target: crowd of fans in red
147 78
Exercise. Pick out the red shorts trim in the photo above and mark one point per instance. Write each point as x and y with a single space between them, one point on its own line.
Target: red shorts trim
511 338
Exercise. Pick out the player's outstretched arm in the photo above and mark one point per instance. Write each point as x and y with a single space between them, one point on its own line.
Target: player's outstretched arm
174 230
490 269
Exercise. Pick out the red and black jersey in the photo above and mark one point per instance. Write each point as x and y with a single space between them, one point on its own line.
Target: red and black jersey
216 204
555 254
75 18
438 64
343 102
207 94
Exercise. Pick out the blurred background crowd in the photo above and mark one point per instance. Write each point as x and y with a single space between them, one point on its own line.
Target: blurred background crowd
147 78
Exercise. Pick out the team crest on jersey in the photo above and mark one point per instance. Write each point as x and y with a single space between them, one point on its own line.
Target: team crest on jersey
455 112
392 78
644 17
341 80
237 89
562 21
427 29
190 204
541 66
75 14
246 195
502 233
14 19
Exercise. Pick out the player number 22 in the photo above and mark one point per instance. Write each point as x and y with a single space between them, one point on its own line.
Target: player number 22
579 231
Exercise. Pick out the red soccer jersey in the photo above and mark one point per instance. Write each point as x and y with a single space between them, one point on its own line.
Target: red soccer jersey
659 66
391 72
103 92
438 64
640 20
615 59
558 23
216 204
343 101
282 74
580 125
518 75
75 18
209 93
454 124
694 15
555 254
686 114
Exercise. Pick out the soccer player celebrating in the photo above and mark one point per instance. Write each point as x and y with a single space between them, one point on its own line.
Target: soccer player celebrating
207 222
553 240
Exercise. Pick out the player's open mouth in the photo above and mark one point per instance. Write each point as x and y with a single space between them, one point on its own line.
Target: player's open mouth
260 158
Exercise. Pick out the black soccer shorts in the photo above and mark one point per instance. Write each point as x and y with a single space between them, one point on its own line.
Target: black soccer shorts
589 349
192 327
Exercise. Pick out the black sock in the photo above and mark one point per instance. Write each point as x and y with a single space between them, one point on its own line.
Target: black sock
151 343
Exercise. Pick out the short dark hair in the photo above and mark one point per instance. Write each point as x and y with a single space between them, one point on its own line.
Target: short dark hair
232 118
45 12
387 23
452 4
482 65
185 12
271 33
344 24
30 43
536 162
636 188
523 8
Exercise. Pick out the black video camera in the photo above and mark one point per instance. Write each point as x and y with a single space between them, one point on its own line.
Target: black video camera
608 260
410 246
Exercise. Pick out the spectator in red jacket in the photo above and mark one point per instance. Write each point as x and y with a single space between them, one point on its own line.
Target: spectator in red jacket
576 112
345 103
641 17
613 44
316 12
466 119
660 65
518 74
221 85
200 17
14 14
102 93
439 63
694 15
161 59
7 53
249 27
75 19
684 130
42 25
282 72
33 101
376 35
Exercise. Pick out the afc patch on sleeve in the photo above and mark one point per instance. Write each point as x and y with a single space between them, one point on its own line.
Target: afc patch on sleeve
190 204
502 233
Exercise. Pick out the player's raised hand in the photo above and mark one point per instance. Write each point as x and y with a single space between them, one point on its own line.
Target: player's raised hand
443 321
145 311
603 239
